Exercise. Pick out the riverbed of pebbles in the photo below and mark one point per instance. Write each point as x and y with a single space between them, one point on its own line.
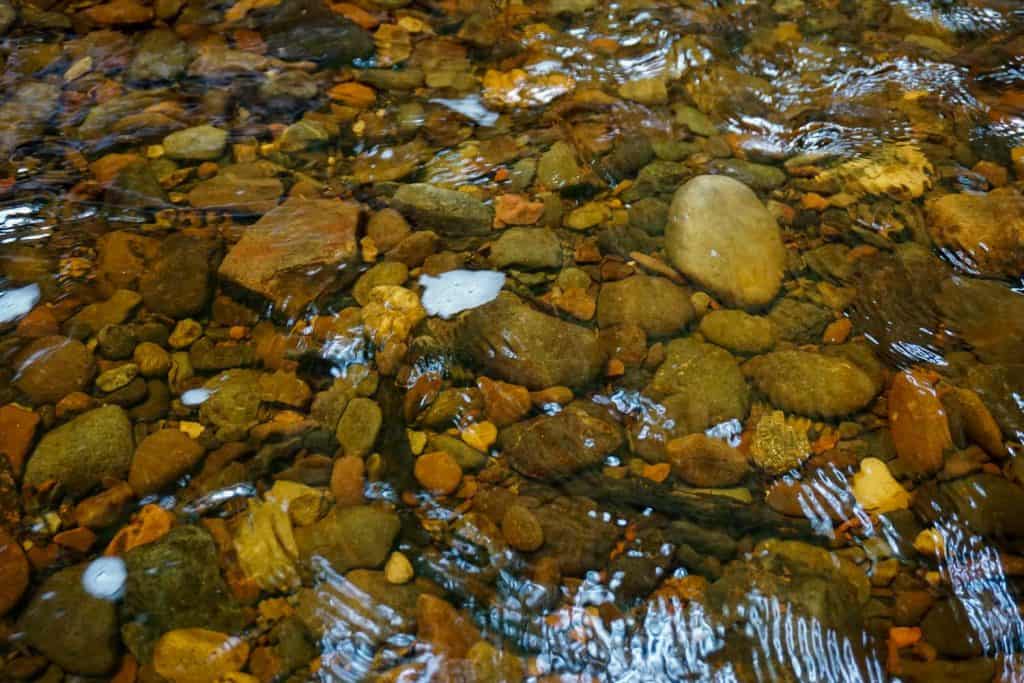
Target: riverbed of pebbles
564 340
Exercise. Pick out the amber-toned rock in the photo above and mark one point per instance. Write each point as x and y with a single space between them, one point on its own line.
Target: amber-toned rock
150 524
347 480
52 367
504 403
162 457
296 251
14 572
979 424
438 623
918 422
522 529
40 322
704 461
120 12
17 427
196 655
104 508
438 472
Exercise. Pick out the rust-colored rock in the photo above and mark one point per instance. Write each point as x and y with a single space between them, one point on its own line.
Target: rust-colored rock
295 252
14 572
438 472
438 623
918 422
504 403
347 480
17 427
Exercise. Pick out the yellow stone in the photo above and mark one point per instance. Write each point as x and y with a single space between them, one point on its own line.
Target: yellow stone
480 435
876 490
417 441
931 543
398 569
196 655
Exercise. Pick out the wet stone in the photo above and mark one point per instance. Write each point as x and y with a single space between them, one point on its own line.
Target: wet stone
556 446
52 367
654 304
174 583
161 458
295 252
355 537
196 144
707 462
447 211
308 30
82 453
981 233
162 56
811 384
511 341
738 331
72 628
179 283
739 258
527 248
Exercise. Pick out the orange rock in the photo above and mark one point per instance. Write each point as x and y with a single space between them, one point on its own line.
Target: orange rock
79 539
17 427
354 95
74 403
657 473
438 623
615 368
40 322
996 175
814 202
438 472
120 12
559 395
504 403
14 572
918 423
108 166
480 435
127 672
575 301
148 525
356 14
348 479
103 509
838 331
516 209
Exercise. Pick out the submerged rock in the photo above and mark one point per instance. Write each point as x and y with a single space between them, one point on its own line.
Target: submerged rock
179 282
175 583
52 367
655 304
511 341
296 252
721 235
981 233
75 630
84 452
988 315
354 537
529 248
738 331
556 446
811 384
447 211
196 144
308 30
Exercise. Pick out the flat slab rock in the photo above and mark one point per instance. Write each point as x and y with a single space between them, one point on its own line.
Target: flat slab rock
295 252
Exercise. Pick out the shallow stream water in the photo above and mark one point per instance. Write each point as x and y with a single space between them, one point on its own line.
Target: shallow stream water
507 340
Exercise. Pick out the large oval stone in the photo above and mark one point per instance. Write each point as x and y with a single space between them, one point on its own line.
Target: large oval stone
721 236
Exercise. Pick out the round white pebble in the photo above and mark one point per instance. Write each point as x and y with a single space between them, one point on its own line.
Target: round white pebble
105 577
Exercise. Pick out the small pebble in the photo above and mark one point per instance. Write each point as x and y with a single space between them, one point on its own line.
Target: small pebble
438 472
398 569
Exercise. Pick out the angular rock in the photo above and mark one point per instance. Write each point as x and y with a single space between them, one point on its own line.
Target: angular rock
707 374
75 630
511 341
82 453
233 404
239 188
448 211
175 583
811 384
296 252
981 233
655 304
721 235
136 186
94 317
52 367
556 446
